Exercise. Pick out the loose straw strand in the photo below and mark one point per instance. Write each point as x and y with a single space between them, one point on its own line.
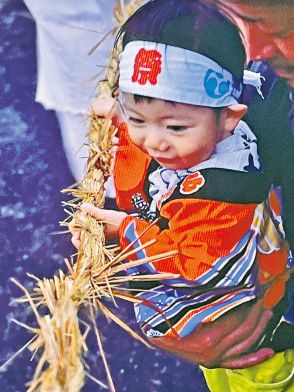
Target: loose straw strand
58 337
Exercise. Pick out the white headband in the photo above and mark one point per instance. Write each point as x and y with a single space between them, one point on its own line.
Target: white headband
167 72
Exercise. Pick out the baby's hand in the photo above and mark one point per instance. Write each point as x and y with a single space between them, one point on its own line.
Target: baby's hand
106 106
76 237
111 218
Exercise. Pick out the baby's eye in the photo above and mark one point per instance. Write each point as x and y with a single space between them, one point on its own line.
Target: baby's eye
135 120
176 128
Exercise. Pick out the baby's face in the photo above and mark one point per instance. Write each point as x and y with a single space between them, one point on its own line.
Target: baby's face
177 136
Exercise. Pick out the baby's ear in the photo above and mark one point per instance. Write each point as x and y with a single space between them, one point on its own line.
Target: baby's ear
232 115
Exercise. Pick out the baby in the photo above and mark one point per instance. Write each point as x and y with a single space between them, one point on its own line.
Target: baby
188 173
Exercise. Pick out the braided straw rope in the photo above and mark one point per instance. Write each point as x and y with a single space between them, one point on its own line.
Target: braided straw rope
93 276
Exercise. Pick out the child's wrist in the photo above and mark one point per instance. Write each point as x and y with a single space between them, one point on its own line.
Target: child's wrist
122 230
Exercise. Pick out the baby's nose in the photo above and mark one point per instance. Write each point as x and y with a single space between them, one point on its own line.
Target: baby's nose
156 141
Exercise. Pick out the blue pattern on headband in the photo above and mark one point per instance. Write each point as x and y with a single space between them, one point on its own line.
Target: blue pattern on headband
214 84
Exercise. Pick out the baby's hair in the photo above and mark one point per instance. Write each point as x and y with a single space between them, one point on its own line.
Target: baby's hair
191 25
141 98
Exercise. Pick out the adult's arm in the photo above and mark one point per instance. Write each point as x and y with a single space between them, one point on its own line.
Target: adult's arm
226 342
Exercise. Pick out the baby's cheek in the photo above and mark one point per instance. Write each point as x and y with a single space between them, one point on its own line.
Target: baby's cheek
133 135
139 142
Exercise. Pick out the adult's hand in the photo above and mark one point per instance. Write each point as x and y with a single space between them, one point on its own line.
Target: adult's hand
226 342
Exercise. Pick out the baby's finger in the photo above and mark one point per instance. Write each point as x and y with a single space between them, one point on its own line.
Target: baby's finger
108 216
115 140
88 208
76 240
73 229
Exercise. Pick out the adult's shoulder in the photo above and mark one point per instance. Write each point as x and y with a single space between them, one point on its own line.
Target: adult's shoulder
271 115
269 119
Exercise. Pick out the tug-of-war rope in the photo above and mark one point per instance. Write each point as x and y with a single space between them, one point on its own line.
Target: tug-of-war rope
97 272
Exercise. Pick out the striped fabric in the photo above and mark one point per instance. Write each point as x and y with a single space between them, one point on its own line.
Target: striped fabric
176 307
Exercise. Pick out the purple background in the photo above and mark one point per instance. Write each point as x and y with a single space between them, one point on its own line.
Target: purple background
33 170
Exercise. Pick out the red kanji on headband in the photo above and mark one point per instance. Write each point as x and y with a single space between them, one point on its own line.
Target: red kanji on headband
147 66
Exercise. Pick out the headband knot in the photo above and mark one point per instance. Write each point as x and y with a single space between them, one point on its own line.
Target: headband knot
254 79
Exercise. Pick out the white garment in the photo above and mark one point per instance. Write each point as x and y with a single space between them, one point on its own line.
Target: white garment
66 31
67 76
237 152
73 133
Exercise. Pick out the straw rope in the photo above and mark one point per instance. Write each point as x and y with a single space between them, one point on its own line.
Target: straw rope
95 274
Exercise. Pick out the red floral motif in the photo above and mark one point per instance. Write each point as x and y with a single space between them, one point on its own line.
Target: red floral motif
192 183
165 197
147 66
